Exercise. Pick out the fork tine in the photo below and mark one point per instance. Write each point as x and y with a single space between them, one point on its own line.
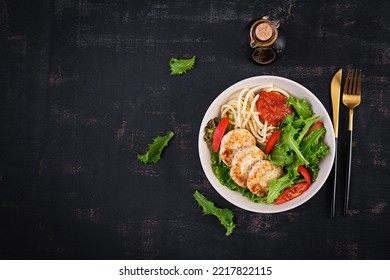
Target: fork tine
359 86
350 86
347 82
355 81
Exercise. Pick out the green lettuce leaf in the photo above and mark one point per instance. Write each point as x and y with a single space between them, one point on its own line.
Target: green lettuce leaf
313 148
281 155
301 106
278 185
181 66
288 139
225 216
153 154
307 123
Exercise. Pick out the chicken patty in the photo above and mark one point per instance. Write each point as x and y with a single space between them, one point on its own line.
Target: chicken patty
242 162
260 176
233 141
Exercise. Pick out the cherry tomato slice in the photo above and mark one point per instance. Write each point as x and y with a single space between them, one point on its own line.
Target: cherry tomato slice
272 141
219 132
314 126
292 192
305 173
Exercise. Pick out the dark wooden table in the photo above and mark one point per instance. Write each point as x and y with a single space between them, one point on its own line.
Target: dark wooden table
85 86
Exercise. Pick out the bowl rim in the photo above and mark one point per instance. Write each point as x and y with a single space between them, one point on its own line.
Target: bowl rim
237 198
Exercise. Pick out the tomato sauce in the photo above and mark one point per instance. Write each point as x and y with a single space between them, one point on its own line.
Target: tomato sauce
272 107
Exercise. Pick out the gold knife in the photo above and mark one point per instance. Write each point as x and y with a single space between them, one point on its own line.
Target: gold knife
335 88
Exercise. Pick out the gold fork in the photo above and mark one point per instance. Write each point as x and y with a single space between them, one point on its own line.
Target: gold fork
351 99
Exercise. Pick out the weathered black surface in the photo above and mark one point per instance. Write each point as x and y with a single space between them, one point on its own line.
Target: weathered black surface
85 86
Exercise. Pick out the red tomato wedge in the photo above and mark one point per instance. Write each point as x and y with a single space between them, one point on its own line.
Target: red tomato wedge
292 192
305 173
314 126
272 141
219 133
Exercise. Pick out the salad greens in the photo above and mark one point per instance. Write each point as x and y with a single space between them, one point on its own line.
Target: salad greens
301 106
296 147
225 216
181 66
153 154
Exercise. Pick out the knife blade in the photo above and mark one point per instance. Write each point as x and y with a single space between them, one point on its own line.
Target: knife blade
335 89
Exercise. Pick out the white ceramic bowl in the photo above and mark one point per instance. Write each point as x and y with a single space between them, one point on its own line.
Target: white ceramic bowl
294 89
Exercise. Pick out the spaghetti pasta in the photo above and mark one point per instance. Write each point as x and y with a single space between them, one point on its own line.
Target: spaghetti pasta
243 112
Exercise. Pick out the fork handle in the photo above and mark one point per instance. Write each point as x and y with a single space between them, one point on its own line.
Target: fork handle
333 203
348 172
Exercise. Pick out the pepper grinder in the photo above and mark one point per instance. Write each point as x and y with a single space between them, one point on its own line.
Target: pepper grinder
266 40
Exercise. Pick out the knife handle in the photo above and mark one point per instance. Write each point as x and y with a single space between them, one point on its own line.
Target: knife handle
333 203
348 172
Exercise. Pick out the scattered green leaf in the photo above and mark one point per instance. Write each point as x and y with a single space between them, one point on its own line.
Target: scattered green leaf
181 66
225 216
153 154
